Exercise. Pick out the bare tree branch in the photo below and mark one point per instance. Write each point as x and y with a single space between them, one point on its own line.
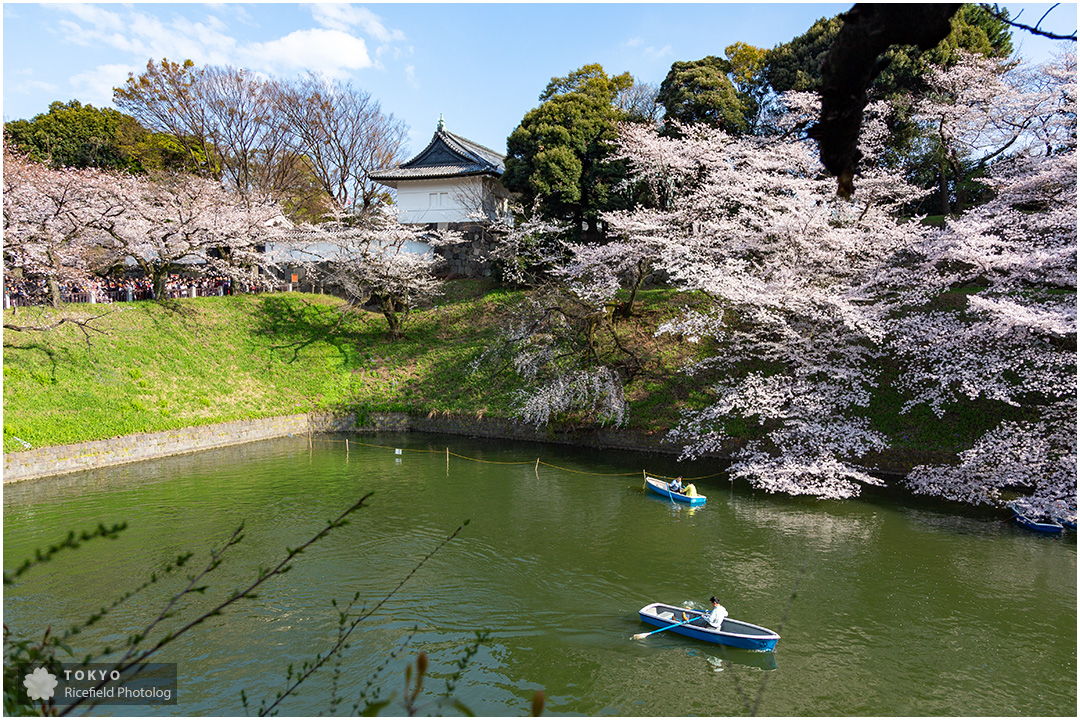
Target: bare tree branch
84 324
1003 16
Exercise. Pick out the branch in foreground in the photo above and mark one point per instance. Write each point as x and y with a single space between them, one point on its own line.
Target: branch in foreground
133 658
343 635
71 542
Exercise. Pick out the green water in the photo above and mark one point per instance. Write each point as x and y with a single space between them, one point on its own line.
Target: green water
885 606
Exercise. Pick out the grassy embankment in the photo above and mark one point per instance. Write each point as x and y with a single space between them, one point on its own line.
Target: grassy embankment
201 361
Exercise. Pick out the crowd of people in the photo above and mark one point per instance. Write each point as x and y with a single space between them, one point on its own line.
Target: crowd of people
21 292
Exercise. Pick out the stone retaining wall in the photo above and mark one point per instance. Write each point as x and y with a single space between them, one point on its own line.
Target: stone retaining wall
470 257
62 459
595 437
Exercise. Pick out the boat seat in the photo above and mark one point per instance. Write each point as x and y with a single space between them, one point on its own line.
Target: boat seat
667 616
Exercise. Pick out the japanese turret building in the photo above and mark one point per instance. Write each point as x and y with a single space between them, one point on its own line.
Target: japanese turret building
453 183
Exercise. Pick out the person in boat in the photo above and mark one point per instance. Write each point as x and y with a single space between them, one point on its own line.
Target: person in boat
716 616
676 485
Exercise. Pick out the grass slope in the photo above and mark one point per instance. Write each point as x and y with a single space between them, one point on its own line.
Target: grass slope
200 361
207 360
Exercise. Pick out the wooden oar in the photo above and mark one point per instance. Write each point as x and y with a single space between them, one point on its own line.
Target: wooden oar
641 636
671 497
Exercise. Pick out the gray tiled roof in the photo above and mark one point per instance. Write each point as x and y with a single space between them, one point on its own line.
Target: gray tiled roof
447 155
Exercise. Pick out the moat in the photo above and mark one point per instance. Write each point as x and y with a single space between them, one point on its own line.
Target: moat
885 607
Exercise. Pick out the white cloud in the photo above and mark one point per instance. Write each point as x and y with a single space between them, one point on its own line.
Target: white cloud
95 15
95 87
343 17
141 33
650 52
330 52
148 36
27 87
410 77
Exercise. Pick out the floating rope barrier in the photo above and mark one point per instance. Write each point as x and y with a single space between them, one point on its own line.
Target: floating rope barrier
536 463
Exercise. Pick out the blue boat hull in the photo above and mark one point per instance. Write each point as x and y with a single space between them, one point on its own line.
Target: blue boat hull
1071 524
733 633
659 487
1043 527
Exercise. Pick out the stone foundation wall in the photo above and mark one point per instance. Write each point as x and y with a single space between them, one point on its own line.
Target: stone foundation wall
595 437
62 459
468 258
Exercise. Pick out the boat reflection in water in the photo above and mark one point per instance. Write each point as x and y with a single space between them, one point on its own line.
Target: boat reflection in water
737 656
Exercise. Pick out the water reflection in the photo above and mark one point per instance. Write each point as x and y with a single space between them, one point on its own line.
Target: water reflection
744 658
556 568
828 526
674 509
956 524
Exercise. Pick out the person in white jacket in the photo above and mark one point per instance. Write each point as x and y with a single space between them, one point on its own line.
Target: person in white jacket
717 615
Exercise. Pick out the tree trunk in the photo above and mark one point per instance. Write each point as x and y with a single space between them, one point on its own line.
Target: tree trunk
592 231
159 284
943 193
590 340
54 292
395 319
53 283
961 199
627 310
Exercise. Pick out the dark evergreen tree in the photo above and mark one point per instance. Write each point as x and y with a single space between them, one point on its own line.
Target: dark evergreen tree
75 135
560 153
700 91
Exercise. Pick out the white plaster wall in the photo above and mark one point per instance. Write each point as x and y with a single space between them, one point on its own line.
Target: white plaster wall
435 201
448 200
326 251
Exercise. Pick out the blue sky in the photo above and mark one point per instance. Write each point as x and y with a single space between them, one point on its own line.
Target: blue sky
482 66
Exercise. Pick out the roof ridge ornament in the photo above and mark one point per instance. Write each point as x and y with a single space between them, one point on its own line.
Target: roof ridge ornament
442 124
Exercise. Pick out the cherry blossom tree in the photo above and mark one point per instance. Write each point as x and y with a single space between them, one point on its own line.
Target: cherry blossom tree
172 223
1015 339
566 353
811 294
525 245
52 221
560 341
380 259
68 225
596 273
788 269
975 111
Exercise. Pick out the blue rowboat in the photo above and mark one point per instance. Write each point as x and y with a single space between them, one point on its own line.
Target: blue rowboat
661 488
734 633
1031 523
1066 522
1037 525
1062 514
